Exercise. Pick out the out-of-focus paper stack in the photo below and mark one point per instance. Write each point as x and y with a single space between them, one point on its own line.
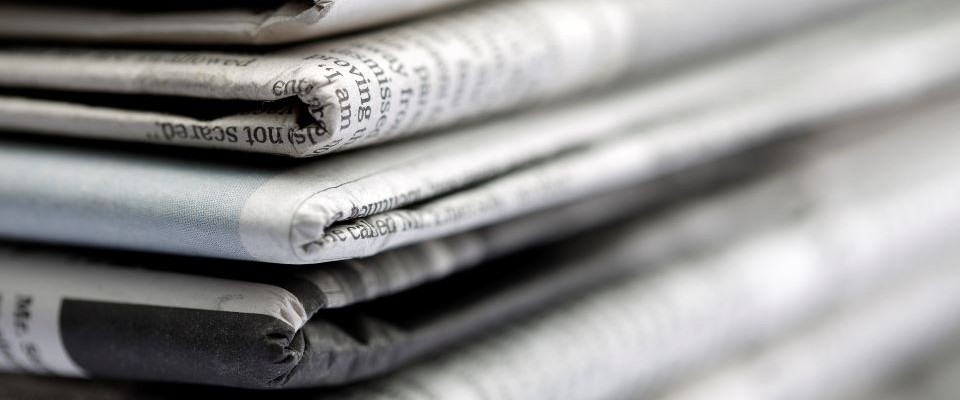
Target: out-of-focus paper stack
451 199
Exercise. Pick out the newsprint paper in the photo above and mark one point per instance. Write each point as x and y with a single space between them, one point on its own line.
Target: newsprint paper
204 21
934 378
833 240
698 311
862 346
333 95
512 365
362 203
854 351
279 21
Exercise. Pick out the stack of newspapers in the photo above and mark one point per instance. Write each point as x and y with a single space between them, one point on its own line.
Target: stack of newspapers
480 199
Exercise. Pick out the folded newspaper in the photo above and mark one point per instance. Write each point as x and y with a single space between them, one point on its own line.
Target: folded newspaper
279 21
334 95
70 316
202 22
934 378
631 340
361 203
865 344
292 297
852 352
832 238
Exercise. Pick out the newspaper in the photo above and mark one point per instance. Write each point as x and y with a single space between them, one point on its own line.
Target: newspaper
831 237
293 296
850 353
655 329
852 238
362 203
861 346
61 314
210 22
333 95
934 378
254 308
352 281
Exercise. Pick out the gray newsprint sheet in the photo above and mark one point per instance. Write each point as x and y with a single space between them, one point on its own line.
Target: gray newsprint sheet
857 349
362 203
700 310
934 378
333 95
211 22
830 236
863 346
